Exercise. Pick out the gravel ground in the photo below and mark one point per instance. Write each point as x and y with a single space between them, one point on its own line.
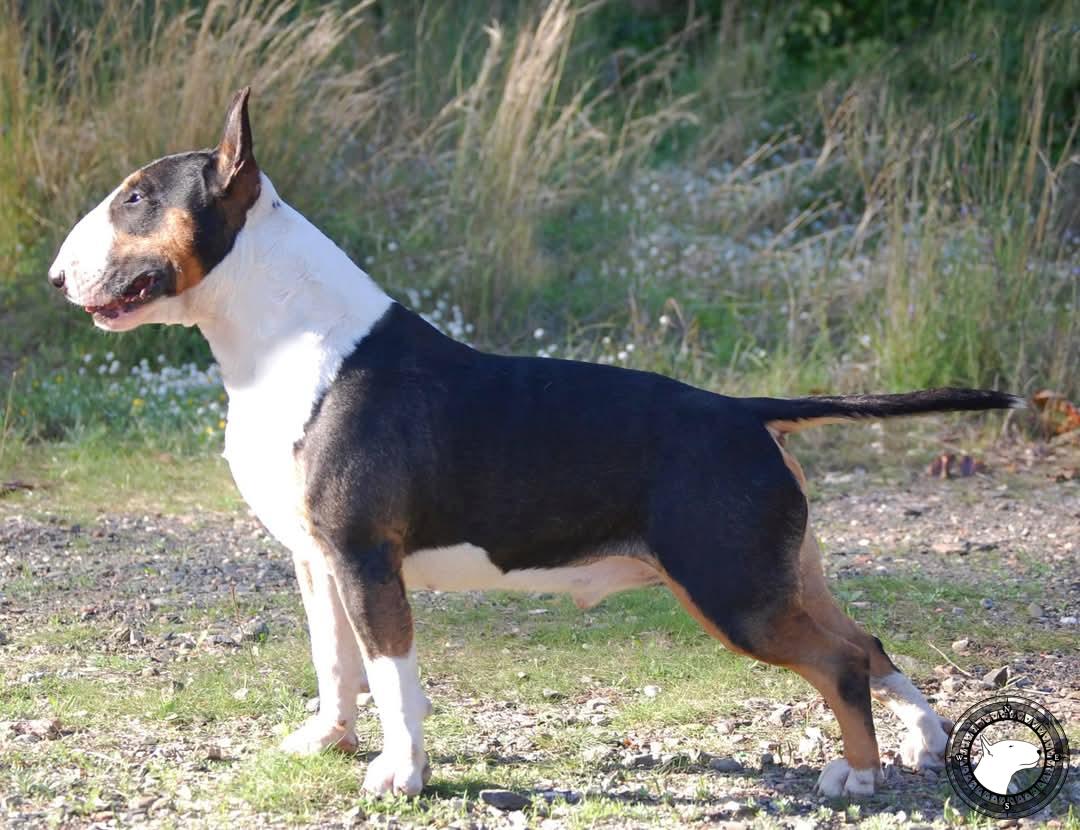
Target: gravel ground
1004 533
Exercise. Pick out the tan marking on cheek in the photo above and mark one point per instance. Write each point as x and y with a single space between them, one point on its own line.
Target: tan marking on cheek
174 240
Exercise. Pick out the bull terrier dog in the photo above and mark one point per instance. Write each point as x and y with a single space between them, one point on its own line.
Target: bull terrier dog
1000 761
387 457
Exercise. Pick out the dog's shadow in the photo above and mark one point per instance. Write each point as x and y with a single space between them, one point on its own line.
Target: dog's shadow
469 786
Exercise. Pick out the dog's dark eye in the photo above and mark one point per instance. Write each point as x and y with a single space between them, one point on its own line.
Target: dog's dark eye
135 197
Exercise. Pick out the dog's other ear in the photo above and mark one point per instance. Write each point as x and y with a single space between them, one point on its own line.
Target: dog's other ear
985 747
237 172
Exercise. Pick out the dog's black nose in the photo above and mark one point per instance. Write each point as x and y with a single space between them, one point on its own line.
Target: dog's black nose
57 279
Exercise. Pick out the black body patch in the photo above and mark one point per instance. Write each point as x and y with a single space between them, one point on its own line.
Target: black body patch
545 462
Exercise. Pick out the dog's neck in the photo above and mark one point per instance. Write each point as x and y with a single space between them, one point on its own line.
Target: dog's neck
284 293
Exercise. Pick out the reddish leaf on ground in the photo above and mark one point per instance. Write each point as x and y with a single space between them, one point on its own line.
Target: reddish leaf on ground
1057 413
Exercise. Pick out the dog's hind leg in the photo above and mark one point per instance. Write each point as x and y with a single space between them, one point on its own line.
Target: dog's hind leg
335 653
926 733
838 669
736 570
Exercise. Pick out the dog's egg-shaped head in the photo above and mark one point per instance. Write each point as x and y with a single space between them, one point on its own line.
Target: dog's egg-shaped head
162 231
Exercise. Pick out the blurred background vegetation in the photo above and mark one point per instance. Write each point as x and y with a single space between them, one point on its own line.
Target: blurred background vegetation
779 197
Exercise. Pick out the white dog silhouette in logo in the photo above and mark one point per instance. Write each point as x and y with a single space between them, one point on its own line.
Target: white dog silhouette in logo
1001 760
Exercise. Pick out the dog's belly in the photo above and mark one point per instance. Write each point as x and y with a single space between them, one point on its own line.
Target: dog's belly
469 568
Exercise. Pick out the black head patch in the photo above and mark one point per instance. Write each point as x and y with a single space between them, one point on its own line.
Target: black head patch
178 217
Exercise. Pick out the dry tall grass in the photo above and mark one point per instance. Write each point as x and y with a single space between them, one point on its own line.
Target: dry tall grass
125 92
892 240
333 127
530 139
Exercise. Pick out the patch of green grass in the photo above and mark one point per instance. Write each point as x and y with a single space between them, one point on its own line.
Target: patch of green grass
82 479
272 782
474 651
910 612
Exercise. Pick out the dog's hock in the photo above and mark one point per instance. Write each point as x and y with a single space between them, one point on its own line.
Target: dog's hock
926 732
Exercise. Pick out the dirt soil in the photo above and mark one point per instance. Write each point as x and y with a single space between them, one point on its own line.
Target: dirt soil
999 532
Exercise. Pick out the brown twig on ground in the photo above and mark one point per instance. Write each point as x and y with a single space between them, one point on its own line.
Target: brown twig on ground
950 662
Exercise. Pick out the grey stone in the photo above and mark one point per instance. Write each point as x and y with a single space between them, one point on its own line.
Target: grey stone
725 765
996 678
637 759
255 630
505 800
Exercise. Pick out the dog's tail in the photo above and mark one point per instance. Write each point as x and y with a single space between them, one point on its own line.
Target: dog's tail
793 414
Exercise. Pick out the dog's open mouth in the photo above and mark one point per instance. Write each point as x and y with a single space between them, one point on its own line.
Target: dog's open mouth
143 289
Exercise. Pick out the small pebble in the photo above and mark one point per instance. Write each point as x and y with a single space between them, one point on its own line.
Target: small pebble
725 765
143 802
505 800
995 678
637 759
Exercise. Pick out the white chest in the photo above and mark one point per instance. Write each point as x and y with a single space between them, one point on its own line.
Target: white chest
261 461
266 419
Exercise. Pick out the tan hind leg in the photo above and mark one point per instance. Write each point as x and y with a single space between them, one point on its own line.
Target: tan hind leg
837 668
923 745
926 732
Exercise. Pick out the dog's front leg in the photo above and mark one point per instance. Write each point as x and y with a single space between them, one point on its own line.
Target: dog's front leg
339 667
373 595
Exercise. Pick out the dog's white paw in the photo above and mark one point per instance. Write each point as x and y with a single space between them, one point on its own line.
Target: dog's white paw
394 773
923 748
838 780
318 734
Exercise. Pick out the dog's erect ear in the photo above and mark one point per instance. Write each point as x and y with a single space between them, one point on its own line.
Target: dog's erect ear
985 747
237 172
